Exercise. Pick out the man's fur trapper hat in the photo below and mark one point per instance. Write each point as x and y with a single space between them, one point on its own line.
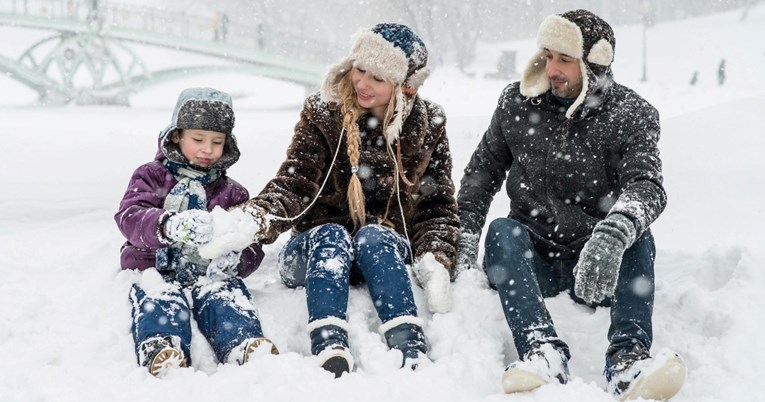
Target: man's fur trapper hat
579 34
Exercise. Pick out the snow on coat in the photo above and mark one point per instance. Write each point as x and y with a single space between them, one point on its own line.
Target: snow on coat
429 206
566 174
141 214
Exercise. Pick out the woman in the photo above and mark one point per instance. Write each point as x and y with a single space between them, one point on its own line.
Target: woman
366 189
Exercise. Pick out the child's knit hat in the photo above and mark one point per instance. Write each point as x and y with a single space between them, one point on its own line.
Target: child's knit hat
392 52
202 109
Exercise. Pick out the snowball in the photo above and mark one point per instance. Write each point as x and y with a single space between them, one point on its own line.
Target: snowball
232 231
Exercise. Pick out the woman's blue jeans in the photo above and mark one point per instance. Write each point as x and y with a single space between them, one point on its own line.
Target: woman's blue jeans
327 260
523 279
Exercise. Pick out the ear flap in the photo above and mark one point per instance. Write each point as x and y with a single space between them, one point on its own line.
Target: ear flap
534 81
394 128
417 78
336 72
583 93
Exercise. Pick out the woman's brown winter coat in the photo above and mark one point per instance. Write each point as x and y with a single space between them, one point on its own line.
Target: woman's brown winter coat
429 205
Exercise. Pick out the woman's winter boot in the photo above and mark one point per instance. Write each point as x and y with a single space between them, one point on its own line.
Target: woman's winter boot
329 343
405 334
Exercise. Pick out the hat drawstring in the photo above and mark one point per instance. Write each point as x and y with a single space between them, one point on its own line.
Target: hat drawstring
400 167
398 194
329 171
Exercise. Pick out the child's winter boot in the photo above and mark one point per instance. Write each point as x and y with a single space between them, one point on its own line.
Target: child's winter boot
633 374
246 350
329 343
542 365
160 354
405 334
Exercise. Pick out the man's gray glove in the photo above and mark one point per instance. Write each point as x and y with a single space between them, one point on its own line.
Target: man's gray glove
597 270
467 252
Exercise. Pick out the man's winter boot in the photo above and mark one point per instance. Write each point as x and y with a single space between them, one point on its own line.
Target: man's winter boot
160 354
329 343
542 365
405 334
244 352
633 373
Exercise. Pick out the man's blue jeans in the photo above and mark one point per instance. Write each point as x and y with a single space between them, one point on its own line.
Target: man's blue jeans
523 279
327 260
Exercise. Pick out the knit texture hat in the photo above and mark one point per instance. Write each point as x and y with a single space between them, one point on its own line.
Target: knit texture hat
202 109
392 52
579 34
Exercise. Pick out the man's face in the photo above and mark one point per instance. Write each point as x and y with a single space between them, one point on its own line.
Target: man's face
565 74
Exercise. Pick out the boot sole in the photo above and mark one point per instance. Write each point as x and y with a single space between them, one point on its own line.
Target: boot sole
165 360
660 384
336 365
516 380
248 353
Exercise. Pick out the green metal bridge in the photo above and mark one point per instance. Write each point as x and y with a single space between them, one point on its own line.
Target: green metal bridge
88 59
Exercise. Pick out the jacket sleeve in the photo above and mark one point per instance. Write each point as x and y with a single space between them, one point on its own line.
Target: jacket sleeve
141 214
643 197
485 172
436 225
298 179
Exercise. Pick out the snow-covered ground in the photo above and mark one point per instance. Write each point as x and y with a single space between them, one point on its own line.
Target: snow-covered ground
65 316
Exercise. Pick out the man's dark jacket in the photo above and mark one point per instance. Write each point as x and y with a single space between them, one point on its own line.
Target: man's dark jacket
566 174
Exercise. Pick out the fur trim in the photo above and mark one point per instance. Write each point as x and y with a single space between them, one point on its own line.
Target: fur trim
372 52
583 93
534 81
395 126
404 319
601 53
559 34
336 72
338 322
418 78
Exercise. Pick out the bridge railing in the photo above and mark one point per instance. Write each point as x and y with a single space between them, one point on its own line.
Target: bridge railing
209 28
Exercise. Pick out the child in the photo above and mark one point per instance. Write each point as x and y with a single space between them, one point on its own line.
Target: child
164 217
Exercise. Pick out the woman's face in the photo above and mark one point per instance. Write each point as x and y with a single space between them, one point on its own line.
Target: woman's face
372 93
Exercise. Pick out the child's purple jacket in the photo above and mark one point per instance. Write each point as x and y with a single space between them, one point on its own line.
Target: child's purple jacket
141 213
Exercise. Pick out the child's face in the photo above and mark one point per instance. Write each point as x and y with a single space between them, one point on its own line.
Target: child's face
201 147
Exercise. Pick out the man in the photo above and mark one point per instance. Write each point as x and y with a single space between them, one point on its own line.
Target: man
579 153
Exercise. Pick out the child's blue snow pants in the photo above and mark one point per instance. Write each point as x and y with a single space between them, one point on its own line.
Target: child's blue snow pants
223 311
